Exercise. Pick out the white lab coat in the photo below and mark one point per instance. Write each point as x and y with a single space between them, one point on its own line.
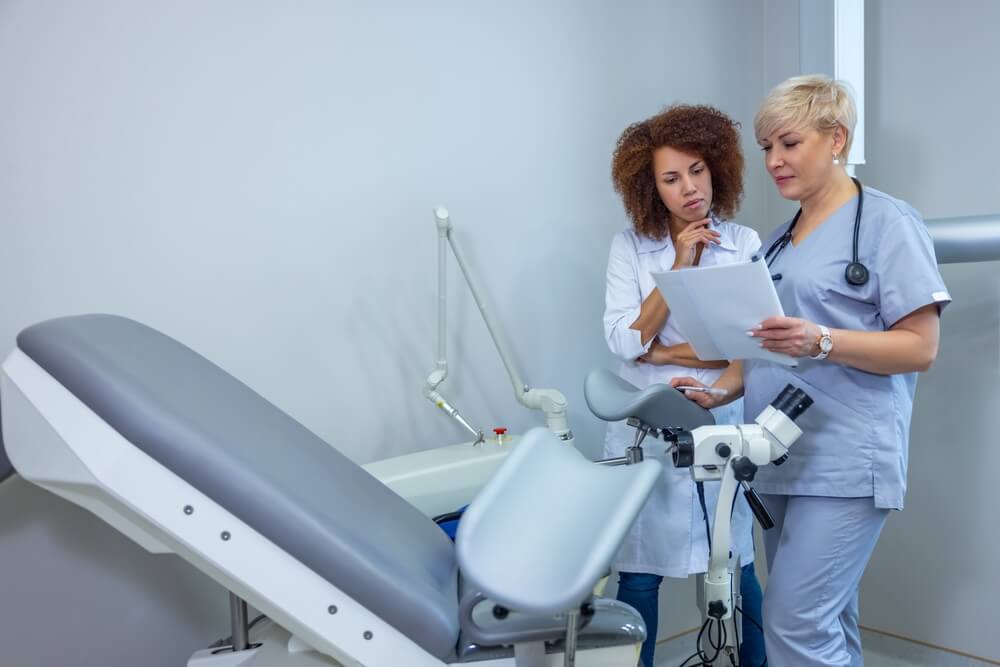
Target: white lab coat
669 536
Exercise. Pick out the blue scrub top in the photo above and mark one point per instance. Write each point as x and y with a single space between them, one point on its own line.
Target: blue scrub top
856 434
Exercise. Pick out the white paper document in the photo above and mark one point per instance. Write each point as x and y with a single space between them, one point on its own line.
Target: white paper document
715 306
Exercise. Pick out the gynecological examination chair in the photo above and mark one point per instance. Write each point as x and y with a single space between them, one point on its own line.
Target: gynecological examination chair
183 458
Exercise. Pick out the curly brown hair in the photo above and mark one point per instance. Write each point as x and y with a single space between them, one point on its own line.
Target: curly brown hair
701 130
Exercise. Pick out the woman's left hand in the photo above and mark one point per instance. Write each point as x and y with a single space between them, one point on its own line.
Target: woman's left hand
793 336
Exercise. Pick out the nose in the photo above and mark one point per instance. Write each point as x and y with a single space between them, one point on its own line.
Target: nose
773 159
687 184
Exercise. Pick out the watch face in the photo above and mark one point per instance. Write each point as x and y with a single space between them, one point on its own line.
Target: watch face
825 344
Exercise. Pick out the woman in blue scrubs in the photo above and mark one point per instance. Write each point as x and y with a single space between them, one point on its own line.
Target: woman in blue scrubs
861 320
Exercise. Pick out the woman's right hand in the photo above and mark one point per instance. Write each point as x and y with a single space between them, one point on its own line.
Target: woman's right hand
703 399
686 244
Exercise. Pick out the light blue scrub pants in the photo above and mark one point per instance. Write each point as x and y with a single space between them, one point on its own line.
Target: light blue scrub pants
816 553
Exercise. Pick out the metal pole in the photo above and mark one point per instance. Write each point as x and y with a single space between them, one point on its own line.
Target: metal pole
238 620
569 657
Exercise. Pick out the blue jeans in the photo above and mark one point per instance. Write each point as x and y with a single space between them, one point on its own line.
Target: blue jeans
642 592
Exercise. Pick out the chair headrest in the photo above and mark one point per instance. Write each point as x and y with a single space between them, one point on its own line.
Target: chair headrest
659 405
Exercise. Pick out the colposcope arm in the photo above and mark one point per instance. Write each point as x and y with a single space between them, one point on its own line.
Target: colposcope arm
719 578
732 454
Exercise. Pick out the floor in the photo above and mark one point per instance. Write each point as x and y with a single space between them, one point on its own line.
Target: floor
880 651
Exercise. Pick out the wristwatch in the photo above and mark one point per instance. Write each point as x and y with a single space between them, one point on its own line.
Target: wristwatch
825 343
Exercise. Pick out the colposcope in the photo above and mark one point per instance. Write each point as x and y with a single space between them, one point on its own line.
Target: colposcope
730 454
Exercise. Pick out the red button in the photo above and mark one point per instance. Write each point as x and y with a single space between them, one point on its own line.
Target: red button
500 430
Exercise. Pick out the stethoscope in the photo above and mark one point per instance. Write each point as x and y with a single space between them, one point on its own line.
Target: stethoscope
856 273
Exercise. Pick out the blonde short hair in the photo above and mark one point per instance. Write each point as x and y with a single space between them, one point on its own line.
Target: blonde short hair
811 100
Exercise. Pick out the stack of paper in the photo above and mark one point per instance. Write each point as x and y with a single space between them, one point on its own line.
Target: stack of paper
715 306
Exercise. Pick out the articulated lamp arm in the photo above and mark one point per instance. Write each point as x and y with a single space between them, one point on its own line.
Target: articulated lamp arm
551 402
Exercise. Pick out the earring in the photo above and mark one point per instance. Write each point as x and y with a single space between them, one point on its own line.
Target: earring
835 160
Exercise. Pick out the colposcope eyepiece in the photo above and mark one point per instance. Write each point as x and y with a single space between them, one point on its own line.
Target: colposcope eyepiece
792 401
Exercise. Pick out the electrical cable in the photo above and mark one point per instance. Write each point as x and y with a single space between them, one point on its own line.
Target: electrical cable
704 513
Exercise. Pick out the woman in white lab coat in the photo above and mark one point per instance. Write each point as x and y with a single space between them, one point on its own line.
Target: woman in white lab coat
680 177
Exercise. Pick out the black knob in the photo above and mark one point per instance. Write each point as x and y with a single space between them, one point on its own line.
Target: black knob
723 450
744 469
716 609
500 613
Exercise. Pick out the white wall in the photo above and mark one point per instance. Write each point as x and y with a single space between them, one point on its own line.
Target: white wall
256 179
782 26
932 141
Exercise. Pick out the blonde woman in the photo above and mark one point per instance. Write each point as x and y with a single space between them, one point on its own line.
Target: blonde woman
857 277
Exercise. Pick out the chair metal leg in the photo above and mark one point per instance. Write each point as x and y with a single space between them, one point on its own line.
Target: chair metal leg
238 622
572 628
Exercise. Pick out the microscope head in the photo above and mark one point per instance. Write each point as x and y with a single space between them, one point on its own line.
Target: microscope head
778 421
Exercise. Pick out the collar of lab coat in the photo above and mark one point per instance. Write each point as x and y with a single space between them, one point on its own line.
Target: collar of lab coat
726 241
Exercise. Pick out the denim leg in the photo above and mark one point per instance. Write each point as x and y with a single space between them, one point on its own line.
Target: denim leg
641 591
752 649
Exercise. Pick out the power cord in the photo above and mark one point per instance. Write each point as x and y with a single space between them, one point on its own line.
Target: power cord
715 631
704 513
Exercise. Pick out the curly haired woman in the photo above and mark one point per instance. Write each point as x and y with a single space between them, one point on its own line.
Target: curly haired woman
680 177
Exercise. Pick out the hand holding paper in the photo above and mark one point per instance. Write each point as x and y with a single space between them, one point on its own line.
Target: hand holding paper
715 307
793 336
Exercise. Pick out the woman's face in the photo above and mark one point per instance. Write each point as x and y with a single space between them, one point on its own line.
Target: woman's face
800 160
683 182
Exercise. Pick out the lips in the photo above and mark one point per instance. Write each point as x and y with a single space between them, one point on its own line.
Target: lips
782 179
694 203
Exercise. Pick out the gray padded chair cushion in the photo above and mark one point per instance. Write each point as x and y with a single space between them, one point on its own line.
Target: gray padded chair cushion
661 406
262 466
6 469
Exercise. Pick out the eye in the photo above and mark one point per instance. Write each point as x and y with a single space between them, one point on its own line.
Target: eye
670 180
698 170
765 148
791 144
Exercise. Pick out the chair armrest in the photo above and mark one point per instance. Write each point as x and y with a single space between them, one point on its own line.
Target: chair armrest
545 528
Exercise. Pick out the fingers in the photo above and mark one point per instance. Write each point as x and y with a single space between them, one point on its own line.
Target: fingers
698 224
776 328
786 335
701 398
687 244
779 322
701 233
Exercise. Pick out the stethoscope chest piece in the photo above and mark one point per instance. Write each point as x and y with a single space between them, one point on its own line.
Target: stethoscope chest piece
856 274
